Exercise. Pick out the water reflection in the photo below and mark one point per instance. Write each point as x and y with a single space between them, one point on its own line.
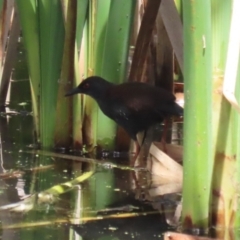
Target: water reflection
47 195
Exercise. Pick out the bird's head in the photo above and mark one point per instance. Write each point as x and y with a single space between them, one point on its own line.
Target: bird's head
93 86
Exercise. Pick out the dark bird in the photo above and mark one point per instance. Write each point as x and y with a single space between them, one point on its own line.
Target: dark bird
133 105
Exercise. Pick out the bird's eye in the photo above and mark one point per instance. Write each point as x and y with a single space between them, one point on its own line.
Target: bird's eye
86 86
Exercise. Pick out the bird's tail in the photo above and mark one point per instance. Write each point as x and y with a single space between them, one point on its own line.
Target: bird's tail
178 110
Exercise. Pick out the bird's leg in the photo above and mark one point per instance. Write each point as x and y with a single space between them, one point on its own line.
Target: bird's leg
136 153
164 134
138 148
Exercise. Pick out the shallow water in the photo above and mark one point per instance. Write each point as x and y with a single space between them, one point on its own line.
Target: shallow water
47 195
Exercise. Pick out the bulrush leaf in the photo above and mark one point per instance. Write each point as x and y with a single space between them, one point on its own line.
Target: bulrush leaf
198 158
28 10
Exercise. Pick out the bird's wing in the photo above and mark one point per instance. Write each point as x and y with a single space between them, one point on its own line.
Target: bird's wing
137 106
137 99
139 90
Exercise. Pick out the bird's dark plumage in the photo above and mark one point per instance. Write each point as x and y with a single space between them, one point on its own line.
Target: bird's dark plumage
133 105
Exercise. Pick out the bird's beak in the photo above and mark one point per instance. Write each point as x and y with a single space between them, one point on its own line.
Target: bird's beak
72 92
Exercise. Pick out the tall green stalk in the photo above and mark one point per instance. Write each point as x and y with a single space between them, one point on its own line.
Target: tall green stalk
114 59
79 67
226 126
221 109
29 22
89 105
51 47
64 105
43 32
102 16
82 7
197 113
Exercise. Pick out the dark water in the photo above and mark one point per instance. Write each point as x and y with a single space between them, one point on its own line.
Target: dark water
110 203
